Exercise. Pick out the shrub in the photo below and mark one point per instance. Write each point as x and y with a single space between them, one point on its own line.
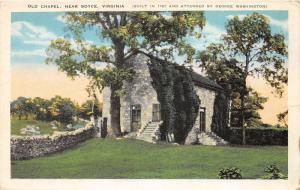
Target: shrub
230 173
260 136
220 117
273 172
22 107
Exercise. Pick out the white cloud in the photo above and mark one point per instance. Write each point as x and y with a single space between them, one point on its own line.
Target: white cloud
208 28
209 34
283 24
37 42
23 53
15 30
213 30
61 18
27 29
75 45
30 34
241 16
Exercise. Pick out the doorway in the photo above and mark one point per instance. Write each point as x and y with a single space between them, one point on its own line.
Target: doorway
202 119
135 117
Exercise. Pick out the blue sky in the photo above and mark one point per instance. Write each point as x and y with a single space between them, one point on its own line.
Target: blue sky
32 32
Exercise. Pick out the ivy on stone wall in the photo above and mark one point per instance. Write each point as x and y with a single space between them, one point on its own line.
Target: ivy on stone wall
221 116
178 99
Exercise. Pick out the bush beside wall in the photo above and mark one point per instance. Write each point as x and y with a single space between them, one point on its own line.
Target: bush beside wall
260 136
34 146
219 123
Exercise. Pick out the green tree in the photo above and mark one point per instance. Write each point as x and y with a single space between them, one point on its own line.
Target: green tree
62 109
227 74
159 33
253 103
17 107
283 118
89 108
250 45
22 107
42 111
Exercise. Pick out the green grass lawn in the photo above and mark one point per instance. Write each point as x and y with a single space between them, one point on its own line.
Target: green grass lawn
17 125
108 158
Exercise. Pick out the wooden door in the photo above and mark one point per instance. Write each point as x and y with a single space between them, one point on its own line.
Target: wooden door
202 119
135 117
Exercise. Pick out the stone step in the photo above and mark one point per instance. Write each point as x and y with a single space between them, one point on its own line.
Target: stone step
145 132
148 133
146 136
209 138
217 138
153 124
150 128
148 139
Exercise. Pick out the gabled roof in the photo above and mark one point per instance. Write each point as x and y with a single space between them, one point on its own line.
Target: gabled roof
205 82
198 79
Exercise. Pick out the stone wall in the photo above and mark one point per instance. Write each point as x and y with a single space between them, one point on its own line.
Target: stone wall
106 92
170 87
138 91
26 147
207 99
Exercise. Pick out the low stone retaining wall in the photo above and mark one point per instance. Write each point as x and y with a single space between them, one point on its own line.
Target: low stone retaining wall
26 147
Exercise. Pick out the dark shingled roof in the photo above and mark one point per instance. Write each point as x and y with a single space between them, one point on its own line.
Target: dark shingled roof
205 82
198 79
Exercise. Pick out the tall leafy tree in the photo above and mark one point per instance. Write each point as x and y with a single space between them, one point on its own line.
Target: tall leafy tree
62 109
227 74
159 33
42 111
253 103
283 118
90 108
254 51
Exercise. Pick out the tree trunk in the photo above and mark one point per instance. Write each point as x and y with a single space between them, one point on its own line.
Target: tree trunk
119 52
115 127
242 118
244 92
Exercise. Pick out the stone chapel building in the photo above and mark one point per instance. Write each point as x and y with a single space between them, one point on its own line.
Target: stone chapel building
141 114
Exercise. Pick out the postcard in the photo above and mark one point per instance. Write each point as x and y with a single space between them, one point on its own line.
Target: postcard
149 95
